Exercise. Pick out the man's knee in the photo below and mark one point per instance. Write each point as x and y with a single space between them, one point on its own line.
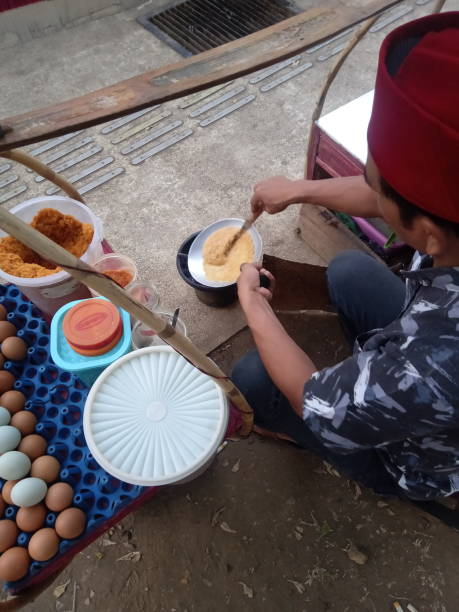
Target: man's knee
249 375
345 270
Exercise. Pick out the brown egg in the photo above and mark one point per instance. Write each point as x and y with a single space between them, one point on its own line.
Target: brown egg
14 564
59 496
3 312
46 467
33 446
14 348
70 523
12 400
2 361
24 420
44 544
6 491
2 505
8 534
7 380
31 518
7 329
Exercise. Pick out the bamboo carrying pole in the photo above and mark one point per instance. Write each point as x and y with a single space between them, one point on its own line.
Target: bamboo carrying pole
43 170
109 289
354 41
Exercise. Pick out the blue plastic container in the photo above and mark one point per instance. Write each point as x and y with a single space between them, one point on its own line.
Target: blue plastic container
86 368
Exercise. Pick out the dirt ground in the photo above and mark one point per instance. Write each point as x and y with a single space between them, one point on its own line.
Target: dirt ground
267 528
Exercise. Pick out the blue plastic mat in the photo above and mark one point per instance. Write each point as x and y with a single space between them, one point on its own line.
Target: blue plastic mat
57 399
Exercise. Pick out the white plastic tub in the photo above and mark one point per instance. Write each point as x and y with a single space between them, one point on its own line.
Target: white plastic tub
151 418
51 292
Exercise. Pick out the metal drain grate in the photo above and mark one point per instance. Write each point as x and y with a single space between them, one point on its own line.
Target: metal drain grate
194 26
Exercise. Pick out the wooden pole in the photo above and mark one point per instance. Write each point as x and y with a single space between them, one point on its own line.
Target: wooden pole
354 41
43 170
109 289
439 6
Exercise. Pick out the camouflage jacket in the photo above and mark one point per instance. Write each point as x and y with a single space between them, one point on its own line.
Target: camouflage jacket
399 392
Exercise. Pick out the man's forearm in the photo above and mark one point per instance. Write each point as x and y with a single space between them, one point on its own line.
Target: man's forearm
288 366
350 195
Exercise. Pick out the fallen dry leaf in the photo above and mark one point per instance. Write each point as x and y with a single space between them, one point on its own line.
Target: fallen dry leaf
132 556
216 516
357 490
299 586
235 467
355 554
227 528
60 590
331 470
107 542
248 591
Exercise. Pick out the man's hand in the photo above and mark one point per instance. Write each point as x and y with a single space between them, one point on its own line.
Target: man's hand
274 194
248 284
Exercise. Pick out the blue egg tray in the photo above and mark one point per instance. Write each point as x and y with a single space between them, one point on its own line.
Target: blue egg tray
57 399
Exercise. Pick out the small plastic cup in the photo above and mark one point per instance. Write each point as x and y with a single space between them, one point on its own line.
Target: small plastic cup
119 267
143 336
145 293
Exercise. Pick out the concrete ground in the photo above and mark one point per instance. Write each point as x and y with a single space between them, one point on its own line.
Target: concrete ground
267 527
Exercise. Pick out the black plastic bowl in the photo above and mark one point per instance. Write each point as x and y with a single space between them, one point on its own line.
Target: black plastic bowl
212 296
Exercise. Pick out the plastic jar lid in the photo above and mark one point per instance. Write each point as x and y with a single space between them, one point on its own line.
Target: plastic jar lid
92 325
151 418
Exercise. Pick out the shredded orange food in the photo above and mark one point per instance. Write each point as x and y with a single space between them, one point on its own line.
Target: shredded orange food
18 260
122 277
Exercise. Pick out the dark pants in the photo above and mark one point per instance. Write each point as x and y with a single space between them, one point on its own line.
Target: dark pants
366 295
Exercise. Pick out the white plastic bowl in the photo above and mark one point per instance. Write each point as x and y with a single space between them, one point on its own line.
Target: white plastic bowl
151 418
50 292
27 210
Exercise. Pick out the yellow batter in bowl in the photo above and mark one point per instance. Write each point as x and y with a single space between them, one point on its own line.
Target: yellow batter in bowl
217 266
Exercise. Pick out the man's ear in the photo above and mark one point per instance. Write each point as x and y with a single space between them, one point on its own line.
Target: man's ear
435 238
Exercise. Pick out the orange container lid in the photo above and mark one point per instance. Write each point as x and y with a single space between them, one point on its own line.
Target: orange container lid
92 325
99 351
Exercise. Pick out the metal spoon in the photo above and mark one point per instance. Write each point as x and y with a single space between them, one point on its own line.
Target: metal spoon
175 317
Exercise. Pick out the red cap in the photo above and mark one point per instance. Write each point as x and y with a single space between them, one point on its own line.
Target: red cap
92 326
413 134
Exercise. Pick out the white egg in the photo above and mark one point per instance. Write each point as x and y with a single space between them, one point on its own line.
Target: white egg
5 416
9 438
14 465
28 492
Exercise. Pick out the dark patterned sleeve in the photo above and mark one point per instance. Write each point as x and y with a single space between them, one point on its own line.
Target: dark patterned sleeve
372 399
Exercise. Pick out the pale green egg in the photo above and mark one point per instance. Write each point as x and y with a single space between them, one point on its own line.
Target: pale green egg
9 438
28 492
14 465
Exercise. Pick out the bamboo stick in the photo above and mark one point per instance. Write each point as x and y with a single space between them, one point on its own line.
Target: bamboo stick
439 6
43 170
109 289
354 41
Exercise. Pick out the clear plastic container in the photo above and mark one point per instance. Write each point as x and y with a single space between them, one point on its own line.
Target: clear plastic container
143 336
145 293
51 292
119 267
